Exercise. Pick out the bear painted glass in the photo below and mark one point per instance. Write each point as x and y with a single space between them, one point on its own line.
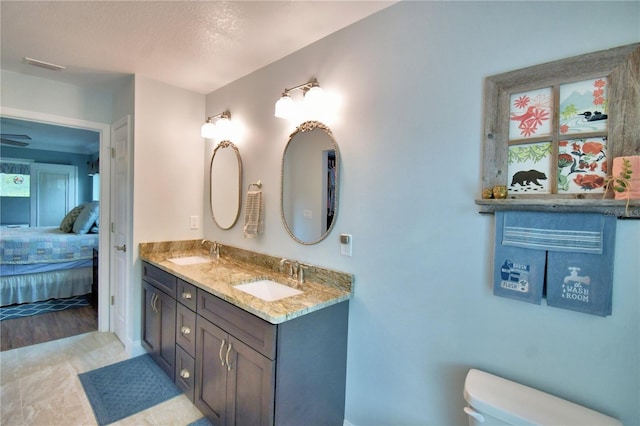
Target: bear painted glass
530 168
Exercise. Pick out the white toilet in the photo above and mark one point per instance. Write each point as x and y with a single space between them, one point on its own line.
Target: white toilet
492 400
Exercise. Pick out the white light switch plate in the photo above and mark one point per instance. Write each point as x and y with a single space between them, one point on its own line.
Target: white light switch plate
346 244
194 222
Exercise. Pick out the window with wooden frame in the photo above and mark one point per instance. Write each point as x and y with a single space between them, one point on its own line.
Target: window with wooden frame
552 130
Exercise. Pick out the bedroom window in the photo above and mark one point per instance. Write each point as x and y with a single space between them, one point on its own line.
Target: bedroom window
15 178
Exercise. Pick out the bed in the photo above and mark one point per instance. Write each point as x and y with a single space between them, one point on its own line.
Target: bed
43 263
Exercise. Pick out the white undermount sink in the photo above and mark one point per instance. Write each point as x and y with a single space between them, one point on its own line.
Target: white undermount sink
268 290
189 260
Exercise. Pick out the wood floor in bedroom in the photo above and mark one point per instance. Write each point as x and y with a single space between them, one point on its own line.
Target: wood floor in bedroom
20 332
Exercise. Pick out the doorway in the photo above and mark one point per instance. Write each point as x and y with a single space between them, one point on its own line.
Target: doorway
104 131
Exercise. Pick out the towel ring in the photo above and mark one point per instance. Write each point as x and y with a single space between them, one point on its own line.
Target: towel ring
258 184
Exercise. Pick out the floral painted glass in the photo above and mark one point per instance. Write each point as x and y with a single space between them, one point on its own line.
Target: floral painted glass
582 165
583 107
530 114
529 167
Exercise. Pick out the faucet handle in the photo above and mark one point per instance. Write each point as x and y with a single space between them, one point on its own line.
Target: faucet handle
301 269
286 261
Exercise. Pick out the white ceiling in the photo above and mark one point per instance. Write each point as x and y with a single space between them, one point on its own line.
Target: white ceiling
196 45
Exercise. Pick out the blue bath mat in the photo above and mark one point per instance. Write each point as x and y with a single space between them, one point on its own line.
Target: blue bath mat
125 388
36 308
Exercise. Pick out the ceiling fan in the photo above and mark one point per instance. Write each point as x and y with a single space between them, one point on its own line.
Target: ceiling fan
9 139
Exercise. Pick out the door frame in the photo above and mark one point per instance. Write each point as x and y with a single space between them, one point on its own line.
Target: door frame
104 130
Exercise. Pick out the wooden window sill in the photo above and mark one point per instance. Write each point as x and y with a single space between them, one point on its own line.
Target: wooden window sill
605 206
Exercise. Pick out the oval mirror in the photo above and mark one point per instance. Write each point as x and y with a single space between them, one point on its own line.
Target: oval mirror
226 184
309 183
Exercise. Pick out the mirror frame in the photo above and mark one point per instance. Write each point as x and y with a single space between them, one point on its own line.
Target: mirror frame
308 126
226 144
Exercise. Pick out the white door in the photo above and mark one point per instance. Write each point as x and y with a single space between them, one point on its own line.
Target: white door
53 192
120 229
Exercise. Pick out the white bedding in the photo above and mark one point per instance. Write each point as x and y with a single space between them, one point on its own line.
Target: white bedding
29 288
43 263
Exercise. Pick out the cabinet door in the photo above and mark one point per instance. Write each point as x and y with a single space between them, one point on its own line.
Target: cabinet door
251 387
211 372
159 331
151 319
167 355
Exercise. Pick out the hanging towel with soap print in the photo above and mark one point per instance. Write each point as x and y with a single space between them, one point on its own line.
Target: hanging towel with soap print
581 280
574 249
518 272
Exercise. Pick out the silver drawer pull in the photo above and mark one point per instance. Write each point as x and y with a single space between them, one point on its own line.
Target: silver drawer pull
186 295
184 373
185 329
220 352
227 358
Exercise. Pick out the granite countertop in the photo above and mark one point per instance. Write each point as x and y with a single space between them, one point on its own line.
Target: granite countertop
219 276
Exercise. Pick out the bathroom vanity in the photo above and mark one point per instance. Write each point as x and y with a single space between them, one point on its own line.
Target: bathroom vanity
240 359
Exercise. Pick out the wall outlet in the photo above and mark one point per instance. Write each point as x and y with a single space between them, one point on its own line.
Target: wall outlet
346 244
194 222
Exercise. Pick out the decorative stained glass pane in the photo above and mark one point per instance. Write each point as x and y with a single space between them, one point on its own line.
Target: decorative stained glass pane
584 106
529 167
530 114
582 165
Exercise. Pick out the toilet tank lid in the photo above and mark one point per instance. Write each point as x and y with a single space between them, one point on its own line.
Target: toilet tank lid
518 404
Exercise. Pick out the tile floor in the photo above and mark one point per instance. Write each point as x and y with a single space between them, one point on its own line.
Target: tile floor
39 385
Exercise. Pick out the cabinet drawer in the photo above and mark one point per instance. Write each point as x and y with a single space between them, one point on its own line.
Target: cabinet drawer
186 329
253 331
185 372
161 279
186 294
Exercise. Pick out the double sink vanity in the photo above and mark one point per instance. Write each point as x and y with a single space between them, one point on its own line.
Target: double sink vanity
245 341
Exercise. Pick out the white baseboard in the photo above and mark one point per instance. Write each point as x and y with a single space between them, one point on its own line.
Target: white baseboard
135 348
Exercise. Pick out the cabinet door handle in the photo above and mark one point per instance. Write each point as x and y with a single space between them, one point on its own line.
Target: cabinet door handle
227 358
186 295
184 373
155 302
185 329
152 302
220 352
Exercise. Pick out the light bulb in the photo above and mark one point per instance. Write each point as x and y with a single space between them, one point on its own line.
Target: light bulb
223 129
285 107
208 130
314 102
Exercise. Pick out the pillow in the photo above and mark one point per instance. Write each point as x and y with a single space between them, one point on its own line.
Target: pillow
67 223
87 218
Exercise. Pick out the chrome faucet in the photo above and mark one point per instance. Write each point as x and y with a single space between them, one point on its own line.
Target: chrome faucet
296 269
293 269
301 268
214 248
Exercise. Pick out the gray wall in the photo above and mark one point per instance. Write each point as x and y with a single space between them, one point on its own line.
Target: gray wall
16 210
423 313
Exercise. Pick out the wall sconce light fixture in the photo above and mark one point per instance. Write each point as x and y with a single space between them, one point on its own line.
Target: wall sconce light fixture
220 129
313 103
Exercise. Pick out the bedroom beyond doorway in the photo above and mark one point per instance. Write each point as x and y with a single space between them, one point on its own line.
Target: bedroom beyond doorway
27 331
